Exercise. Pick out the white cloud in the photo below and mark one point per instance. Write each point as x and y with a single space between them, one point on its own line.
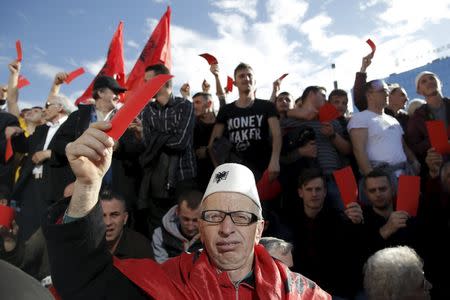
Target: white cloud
407 17
369 4
132 44
47 69
247 8
286 12
94 66
40 50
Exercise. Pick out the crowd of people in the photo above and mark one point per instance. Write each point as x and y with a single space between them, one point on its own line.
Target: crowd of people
173 209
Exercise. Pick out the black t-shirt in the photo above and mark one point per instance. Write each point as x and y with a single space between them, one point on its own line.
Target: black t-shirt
248 131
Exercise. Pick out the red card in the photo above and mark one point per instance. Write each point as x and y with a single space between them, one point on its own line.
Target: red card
19 50
6 216
229 84
345 180
328 113
9 150
408 194
73 75
438 136
283 76
22 82
209 58
372 45
268 190
135 101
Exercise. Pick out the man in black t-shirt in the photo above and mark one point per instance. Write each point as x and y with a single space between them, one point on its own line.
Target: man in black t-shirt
251 125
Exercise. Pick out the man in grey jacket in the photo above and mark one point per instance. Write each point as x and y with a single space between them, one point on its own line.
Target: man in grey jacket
179 231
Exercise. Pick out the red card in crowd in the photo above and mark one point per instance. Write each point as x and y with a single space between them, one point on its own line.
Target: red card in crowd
345 180
328 113
229 84
408 194
19 50
22 82
283 76
372 45
9 150
209 58
73 75
438 136
134 103
6 216
268 190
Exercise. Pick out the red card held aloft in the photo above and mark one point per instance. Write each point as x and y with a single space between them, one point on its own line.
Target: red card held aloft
328 113
6 216
283 76
209 58
22 82
267 189
73 75
135 101
19 50
372 45
408 194
229 84
345 180
9 150
438 136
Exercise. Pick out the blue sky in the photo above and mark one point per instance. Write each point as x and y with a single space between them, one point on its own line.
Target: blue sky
298 37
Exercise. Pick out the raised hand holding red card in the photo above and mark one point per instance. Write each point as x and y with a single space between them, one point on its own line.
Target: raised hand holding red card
209 58
19 50
345 180
372 45
74 74
229 84
408 194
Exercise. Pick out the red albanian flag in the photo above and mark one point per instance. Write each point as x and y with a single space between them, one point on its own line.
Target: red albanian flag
114 65
156 51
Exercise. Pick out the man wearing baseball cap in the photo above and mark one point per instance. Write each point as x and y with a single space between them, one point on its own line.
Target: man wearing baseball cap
437 108
232 265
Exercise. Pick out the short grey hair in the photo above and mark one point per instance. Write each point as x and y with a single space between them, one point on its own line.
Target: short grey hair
66 104
272 243
392 272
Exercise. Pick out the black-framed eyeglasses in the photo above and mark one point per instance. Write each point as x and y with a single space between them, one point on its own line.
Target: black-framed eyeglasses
238 217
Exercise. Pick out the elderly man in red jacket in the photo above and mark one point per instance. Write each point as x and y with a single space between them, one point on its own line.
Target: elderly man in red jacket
232 265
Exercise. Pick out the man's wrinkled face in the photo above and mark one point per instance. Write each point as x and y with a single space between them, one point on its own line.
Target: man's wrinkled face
115 218
51 110
313 194
340 102
108 97
188 219
245 81
230 246
379 192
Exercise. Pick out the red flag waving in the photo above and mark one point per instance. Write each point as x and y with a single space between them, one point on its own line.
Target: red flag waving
157 50
113 66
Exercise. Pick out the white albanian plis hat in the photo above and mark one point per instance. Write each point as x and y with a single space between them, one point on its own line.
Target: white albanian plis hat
234 178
